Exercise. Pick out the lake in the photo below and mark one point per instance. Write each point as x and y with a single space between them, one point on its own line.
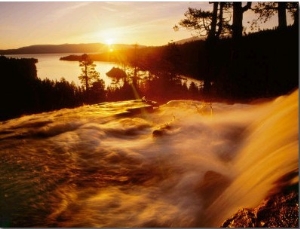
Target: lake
49 66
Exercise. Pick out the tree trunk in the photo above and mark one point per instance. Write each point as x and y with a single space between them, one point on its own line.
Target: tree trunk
237 25
236 58
210 46
212 32
282 15
220 24
296 18
86 78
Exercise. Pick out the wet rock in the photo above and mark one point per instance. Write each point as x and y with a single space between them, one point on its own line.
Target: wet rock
278 210
243 218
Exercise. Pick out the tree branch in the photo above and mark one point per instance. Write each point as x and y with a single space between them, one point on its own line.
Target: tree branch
247 6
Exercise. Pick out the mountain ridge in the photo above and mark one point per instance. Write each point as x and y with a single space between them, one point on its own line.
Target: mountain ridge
76 48
64 48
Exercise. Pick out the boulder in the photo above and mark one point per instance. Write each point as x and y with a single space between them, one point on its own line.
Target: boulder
278 210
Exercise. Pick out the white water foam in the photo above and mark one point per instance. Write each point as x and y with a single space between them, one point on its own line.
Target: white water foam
184 164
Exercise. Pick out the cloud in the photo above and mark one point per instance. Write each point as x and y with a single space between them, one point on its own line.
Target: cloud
88 21
62 11
109 9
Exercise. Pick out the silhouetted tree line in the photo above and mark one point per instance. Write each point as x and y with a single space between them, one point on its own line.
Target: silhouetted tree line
266 65
160 88
251 60
22 92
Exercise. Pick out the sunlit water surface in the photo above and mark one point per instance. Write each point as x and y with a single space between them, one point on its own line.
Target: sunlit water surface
122 164
49 66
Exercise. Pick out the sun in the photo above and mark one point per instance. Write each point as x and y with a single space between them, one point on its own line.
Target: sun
109 41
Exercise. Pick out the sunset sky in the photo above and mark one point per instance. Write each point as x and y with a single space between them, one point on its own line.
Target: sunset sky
52 22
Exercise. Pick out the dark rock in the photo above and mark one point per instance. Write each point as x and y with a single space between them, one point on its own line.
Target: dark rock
278 210
243 218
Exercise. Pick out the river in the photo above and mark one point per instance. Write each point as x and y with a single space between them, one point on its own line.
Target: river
122 164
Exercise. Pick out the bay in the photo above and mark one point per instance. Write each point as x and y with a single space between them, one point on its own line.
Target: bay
49 66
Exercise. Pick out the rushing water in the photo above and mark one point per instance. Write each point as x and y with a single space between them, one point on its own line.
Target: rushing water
124 164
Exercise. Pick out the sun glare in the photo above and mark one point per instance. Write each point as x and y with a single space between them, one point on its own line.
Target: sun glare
109 41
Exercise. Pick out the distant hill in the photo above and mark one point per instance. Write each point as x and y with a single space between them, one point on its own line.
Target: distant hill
78 48
64 48
191 39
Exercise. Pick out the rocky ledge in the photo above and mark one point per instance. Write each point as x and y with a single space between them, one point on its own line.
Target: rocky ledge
278 210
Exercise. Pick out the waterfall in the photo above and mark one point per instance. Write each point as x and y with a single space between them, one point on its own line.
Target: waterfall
124 164
269 152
